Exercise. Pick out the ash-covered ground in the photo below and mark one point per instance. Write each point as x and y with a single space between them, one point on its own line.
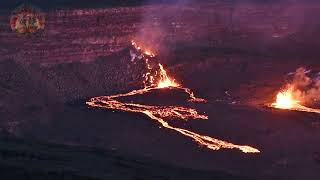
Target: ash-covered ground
45 79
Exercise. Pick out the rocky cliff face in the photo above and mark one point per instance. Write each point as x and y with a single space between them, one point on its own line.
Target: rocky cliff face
86 48
85 34
217 48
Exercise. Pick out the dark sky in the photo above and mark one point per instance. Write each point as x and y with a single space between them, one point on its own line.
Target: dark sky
51 4
48 4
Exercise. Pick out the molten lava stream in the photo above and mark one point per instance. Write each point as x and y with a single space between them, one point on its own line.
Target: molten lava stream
159 113
285 100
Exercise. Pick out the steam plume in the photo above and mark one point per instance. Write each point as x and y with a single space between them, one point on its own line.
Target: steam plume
306 88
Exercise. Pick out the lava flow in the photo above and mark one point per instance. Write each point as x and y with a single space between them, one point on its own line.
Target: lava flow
285 100
160 113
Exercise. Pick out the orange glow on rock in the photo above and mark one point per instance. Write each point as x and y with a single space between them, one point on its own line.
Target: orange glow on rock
160 114
286 100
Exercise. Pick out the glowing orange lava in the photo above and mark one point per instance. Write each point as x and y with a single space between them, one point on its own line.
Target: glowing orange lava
146 52
149 53
285 100
165 81
161 113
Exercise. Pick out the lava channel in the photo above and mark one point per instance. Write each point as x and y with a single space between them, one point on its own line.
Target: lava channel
160 113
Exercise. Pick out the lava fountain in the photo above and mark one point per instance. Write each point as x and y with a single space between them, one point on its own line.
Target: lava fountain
161 113
165 81
286 100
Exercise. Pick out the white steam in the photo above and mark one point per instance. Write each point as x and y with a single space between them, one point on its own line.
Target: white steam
306 88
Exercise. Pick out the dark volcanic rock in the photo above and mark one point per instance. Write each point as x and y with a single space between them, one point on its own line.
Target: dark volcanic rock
105 75
32 93
20 160
21 96
243 52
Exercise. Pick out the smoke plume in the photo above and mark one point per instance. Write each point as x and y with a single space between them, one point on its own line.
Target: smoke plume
306 87
160 23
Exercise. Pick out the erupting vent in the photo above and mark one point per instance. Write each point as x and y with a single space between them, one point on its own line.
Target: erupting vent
285 100
302 89
161 113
